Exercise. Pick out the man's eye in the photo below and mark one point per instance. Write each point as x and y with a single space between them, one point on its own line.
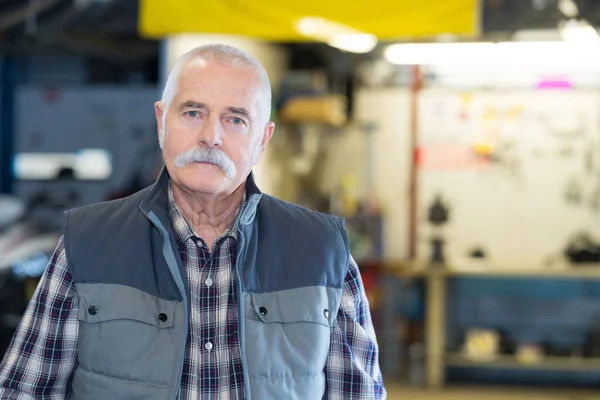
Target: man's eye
237 121
193 114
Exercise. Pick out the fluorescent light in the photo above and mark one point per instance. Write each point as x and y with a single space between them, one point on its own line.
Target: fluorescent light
434 53
322 28
579 33
354 42
532 53
536 35
92 164
568 8
336 34
40 166
87 164
508 54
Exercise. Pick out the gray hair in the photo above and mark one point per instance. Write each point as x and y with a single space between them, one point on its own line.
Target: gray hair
223 54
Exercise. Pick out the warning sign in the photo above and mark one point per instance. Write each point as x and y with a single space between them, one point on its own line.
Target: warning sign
449 156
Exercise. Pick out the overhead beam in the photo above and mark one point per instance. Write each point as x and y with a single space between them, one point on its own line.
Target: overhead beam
119 51
19 16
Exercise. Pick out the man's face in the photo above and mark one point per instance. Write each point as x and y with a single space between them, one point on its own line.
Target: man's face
216 111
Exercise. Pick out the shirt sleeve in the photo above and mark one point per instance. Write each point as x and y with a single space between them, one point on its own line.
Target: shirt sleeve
42 356
352 369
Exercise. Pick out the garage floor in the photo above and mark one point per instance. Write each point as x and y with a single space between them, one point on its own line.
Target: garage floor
396 392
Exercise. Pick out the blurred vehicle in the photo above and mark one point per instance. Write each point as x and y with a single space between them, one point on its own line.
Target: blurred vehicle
29 234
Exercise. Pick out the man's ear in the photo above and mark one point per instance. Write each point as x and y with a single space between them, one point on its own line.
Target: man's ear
266 137
158 111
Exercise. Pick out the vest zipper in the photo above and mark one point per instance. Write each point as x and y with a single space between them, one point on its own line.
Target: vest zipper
169 256
241 312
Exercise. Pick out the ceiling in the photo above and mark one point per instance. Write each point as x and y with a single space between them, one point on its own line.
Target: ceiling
104 29
108 29
112 17
512 15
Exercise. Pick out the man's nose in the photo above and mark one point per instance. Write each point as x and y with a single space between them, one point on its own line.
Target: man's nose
211 132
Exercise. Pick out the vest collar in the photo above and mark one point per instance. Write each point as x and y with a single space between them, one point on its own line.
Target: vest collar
157 199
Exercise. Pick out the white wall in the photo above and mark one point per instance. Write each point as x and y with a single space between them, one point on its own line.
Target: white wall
515 208
389 110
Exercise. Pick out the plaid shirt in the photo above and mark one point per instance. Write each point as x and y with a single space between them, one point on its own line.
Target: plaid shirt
43 354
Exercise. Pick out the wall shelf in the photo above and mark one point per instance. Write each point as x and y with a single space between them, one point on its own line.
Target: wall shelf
509 362
583 271
436 279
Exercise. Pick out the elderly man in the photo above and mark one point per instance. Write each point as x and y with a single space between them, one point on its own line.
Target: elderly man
200 286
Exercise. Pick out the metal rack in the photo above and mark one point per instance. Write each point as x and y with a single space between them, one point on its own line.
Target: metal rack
436 280
508 362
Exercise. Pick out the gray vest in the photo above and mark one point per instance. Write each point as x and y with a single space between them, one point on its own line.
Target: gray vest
134 300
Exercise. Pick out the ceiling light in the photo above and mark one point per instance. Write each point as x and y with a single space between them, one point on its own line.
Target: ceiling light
322 28
568 8
579 33
434 53
536 35
509 54
336 35
354 42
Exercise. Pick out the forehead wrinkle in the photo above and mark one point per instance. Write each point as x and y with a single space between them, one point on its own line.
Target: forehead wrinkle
250 89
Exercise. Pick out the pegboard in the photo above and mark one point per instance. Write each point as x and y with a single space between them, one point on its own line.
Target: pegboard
519 170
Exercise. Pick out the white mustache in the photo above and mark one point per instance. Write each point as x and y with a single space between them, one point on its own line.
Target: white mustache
211 155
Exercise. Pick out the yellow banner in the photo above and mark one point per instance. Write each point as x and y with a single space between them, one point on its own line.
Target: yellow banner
277 20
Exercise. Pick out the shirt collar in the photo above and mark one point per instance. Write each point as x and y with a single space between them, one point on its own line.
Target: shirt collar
156 200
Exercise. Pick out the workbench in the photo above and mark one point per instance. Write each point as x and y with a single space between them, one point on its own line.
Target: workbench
436 278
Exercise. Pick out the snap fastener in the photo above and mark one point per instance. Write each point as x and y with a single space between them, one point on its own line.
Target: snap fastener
163 317
93 310
326 313
262 311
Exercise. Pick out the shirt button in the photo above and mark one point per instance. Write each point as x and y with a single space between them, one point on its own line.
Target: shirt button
208 282
326 313
208 346
93 310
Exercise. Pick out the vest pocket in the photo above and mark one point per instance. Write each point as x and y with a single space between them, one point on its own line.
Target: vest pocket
288 332
128 335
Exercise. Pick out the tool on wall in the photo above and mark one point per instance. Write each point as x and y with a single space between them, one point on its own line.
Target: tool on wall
563 127
439 215
573 192
588 161
583 249
595 199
